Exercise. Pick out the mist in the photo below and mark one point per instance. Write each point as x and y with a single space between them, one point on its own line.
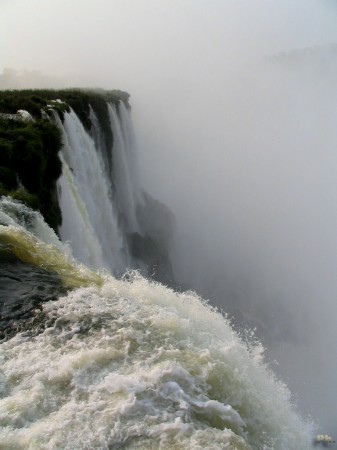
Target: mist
235 105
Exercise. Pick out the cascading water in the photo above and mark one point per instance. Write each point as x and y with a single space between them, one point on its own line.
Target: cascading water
132 364
111 363
89 192
126 179
76 227
108 220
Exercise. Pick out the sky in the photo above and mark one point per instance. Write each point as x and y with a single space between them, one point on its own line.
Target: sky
138 44
234 105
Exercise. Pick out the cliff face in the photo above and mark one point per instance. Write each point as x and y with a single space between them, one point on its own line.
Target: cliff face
30 143
29 164
33 137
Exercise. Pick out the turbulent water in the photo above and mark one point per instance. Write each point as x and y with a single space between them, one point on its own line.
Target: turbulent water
111 362
132 364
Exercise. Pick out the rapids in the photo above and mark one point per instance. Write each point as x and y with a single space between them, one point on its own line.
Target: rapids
129 363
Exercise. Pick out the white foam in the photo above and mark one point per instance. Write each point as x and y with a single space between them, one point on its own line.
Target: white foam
15 213
135 365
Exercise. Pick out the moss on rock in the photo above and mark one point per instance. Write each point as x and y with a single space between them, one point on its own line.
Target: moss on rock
30 166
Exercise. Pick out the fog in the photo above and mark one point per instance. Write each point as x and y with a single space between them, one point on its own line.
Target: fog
235 105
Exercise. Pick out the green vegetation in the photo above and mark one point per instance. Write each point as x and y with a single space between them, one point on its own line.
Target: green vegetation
29 158
29 161
36 100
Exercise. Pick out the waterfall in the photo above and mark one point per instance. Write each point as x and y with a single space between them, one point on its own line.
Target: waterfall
94 355
108 220
76 227
126 178
86 200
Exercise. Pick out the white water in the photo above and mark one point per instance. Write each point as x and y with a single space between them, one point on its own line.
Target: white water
124 160
131 148
132 364
76 227
87 188
98 137
15 214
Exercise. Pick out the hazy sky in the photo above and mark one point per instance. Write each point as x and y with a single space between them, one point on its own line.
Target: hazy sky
138 44
240 143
